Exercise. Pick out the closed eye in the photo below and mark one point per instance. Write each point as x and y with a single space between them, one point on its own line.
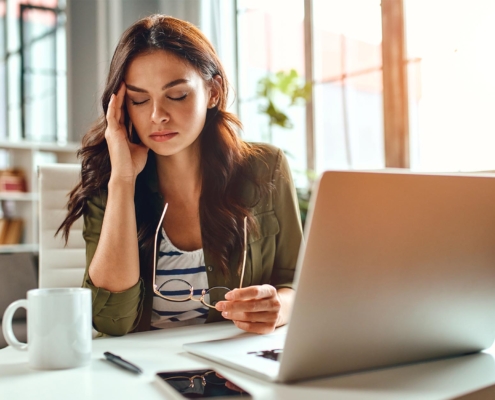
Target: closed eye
178 98
136 103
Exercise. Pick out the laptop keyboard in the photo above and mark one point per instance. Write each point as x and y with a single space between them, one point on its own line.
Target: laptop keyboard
269 354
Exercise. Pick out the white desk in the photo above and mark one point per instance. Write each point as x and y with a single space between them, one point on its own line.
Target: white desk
162 350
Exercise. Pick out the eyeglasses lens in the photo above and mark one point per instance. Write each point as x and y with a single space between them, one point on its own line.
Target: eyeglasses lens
215 294
175 290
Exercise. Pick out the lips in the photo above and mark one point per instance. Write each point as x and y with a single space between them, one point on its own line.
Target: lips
163 136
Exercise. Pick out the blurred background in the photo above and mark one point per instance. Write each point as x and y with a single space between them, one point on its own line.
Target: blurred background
337 84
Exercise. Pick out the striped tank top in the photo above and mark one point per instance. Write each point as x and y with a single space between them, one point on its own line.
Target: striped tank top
188 266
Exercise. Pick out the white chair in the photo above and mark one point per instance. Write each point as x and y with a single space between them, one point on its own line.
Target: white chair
59 265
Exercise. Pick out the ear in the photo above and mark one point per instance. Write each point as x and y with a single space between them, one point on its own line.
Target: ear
215 90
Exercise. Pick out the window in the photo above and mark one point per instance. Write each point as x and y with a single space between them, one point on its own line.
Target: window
451 84
433 70
33 68
3 69
348 100
271 39
346 74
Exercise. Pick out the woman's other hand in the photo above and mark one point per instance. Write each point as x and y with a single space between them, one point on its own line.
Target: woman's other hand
257 309
128 159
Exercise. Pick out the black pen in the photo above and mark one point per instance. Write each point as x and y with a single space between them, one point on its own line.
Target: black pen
122 363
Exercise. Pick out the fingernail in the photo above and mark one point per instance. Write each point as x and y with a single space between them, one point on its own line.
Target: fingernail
220 306
229 296
225 314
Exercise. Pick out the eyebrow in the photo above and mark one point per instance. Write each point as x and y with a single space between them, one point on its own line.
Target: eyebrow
168 85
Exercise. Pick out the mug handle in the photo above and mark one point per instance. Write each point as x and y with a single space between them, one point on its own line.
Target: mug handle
8 332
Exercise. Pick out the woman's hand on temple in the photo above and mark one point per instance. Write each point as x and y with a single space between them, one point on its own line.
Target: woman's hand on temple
257 309
128 159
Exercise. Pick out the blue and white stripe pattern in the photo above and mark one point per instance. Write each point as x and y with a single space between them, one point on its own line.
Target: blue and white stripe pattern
178 264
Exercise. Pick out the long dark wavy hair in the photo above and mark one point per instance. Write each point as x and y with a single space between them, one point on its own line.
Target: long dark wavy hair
224 156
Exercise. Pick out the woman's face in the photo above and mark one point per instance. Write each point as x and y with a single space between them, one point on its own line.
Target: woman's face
167 101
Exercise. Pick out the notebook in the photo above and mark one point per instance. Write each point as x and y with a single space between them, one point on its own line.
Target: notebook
397 267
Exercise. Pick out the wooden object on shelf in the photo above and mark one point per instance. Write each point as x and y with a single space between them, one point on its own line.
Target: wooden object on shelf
4 224
11 230
13 235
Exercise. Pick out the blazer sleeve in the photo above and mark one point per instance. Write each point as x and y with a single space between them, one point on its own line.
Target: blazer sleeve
289 237
114 313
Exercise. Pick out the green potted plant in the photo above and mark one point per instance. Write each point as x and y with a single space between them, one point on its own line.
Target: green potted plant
278 92
283 87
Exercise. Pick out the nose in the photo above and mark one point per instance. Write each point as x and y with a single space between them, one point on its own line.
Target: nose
159 115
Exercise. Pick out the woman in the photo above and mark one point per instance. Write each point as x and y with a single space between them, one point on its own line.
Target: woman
166 138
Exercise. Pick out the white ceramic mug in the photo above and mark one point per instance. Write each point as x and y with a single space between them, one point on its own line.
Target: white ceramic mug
59 327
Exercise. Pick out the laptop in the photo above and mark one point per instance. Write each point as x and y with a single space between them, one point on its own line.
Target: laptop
397 267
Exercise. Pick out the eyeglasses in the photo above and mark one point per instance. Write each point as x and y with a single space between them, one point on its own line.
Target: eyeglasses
182 290
201 382
204 377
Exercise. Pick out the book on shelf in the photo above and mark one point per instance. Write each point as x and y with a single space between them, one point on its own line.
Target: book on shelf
11 230
12 180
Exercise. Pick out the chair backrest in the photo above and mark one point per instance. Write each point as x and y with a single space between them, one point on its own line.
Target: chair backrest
60 265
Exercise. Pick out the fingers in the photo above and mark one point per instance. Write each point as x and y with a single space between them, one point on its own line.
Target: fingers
266 316
115 115
251 293
251 299
120 95
253 309
255 327
120 102
270 304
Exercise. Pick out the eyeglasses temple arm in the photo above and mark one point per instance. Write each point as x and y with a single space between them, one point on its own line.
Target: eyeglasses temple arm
156 244
245 253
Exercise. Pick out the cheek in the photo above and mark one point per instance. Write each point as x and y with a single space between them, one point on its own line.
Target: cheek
196 114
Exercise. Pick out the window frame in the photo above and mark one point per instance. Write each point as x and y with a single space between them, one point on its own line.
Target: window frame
395 85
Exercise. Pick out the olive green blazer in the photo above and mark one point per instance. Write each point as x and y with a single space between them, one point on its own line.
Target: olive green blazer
271 256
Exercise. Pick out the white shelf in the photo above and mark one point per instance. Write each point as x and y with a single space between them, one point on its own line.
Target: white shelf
41 146
26 155
19 196
19 248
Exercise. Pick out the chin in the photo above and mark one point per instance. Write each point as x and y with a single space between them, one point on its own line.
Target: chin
173 146
166 149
